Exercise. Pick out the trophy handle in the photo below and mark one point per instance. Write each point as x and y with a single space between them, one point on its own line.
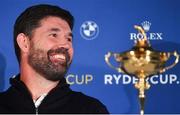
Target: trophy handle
176 55
107 57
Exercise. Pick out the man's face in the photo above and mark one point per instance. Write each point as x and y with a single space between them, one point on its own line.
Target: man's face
51 48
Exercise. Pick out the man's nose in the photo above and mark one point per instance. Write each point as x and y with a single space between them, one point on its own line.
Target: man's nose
64 44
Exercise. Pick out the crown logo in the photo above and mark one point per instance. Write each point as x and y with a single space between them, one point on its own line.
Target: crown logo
146 25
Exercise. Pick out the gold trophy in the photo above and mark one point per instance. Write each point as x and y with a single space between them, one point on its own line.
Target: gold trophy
142 61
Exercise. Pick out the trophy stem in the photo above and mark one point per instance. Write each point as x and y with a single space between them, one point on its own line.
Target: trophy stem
142 100
142 85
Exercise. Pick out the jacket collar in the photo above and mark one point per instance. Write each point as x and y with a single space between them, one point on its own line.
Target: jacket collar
59 91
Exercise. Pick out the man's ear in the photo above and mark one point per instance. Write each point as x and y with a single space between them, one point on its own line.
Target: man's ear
23 42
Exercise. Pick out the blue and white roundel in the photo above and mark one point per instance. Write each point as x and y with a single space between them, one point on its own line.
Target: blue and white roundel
89 30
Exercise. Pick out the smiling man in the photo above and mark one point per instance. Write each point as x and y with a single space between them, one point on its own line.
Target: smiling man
44 49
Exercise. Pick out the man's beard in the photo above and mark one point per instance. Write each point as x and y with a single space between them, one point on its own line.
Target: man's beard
40 61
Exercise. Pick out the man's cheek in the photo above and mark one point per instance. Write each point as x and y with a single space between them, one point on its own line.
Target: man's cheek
71 53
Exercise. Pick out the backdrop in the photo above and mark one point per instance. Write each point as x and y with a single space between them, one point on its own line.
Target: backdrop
102 26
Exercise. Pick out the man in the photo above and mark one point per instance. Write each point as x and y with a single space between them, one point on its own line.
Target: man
43 45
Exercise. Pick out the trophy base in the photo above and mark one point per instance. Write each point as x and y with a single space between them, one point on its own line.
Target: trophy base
142 112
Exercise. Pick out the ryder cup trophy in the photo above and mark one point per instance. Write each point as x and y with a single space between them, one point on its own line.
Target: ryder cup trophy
142 61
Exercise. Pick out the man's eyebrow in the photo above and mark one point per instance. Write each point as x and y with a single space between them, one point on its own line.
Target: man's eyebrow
58 30
54 29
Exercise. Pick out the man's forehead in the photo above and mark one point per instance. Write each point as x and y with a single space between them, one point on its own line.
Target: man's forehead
54 19
54 24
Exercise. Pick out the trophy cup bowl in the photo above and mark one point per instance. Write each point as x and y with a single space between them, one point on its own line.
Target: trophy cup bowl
142 61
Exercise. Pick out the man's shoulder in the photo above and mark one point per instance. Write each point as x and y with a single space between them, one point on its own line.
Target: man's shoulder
5 100
85 98
5 94
89 102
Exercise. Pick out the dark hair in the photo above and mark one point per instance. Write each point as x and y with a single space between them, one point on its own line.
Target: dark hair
31 17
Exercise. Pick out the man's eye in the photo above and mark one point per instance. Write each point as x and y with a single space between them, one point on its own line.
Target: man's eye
69 39
53 35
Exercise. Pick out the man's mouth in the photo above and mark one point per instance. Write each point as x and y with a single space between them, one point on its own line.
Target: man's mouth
58 58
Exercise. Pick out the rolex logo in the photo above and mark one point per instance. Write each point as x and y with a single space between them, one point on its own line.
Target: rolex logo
146 25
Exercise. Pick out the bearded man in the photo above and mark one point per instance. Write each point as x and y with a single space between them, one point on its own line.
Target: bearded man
44 49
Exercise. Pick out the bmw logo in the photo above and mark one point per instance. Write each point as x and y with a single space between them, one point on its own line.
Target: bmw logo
89 30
